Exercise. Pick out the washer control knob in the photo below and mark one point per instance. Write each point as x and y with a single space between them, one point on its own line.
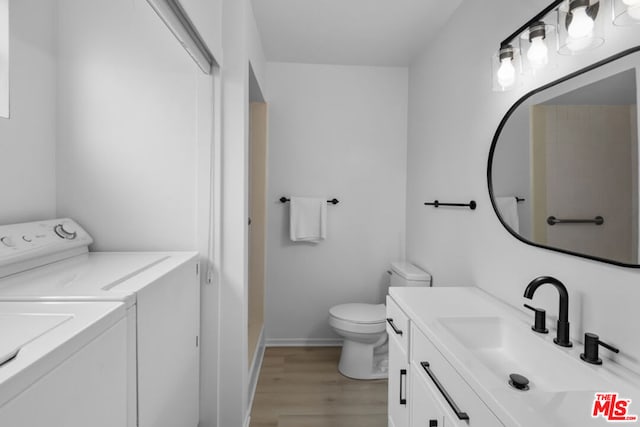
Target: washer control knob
64 234
8 241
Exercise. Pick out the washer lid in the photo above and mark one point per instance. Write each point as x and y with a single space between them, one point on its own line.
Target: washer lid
20 329
46 334
359 313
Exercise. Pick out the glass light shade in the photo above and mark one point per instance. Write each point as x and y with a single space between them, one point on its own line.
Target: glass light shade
538 46
506 69
625 12
580 26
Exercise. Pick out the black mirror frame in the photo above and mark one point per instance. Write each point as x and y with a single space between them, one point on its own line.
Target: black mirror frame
499 131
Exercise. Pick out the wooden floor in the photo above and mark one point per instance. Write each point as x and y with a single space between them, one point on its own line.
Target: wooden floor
301 387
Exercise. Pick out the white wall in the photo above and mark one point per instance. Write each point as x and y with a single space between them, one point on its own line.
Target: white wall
334 131
127 127
241 48
233 348
27 139
452 118
255 51
206 16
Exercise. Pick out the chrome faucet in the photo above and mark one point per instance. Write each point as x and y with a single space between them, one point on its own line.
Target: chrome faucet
562 337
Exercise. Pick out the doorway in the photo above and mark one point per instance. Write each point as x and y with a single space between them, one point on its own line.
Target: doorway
257 215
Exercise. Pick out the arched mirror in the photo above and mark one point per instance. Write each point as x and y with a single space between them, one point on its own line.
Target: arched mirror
563 165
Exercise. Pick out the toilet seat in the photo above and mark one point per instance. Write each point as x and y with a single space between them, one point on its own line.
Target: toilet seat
364 314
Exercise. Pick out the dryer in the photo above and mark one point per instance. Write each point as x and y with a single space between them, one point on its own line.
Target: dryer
49 261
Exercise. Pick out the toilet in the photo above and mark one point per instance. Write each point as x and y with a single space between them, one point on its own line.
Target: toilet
363 327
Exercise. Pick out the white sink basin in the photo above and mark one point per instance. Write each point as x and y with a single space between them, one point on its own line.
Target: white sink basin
505 346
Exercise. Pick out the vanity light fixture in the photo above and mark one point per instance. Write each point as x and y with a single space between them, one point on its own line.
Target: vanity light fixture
626 12
532 40
578 27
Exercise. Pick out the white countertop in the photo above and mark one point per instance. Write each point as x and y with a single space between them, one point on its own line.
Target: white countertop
428 306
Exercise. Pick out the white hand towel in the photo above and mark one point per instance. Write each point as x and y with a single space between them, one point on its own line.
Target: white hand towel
308 219
508 207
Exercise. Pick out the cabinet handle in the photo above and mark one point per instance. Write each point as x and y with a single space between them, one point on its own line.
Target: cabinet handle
461 415
403 376
393 326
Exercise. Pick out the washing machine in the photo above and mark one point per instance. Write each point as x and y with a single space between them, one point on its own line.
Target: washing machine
63 364
49 261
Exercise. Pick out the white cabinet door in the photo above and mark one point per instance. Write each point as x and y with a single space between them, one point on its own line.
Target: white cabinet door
425 410
460 404
398 384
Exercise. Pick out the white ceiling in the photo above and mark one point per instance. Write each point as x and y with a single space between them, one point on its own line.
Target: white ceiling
349 32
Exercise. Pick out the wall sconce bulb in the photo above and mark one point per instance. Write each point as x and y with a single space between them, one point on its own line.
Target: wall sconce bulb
581 25
506 73
538 52
633 8
504 67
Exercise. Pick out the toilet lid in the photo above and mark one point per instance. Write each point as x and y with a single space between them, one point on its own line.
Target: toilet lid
359 313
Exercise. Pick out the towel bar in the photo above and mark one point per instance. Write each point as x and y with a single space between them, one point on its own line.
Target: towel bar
552 220
471 205
333 201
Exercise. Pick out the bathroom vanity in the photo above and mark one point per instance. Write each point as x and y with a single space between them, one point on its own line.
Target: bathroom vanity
452 352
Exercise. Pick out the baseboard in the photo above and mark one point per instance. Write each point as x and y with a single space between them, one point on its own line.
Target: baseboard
303 342
254 373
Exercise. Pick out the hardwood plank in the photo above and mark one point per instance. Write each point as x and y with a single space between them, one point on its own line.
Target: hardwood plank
301 387
333 421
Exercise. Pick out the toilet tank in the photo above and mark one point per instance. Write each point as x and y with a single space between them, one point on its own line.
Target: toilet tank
407 274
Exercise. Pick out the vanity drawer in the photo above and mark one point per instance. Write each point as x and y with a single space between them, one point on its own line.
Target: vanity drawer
430 366
397 324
